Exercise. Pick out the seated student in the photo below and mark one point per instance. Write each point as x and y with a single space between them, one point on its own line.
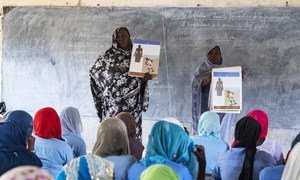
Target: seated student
266 144
53 151
209 137
159 172
275 173
15 136
170 145
136 147
71 130
112 144
26 173
243 161
292 167
87 167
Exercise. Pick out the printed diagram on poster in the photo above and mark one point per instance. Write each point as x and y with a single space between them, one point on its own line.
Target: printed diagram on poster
144 58
226 90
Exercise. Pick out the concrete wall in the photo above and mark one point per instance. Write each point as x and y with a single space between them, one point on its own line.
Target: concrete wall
284 136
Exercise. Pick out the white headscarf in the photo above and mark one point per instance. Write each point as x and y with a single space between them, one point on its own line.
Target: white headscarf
174 121
71 121
292 167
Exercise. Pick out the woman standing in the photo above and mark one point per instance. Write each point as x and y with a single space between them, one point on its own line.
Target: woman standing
112 89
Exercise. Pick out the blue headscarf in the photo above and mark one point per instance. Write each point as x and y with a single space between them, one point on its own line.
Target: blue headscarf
169 142
15 131
209 124
87 167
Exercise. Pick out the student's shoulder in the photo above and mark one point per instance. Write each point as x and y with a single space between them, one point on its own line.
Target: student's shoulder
265 157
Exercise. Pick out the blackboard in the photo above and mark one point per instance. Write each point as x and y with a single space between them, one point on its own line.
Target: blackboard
47 54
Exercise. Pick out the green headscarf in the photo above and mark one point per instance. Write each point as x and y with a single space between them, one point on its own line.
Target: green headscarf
159 171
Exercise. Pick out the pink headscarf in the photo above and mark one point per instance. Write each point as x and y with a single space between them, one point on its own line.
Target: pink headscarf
262 118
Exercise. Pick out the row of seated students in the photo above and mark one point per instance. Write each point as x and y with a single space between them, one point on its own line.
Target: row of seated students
170 153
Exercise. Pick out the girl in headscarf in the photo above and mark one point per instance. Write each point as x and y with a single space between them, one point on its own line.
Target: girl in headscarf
112 144
292 167
15 133
112 88
170 145
159 172
244 162
275 173
136 147
209 137
266 144
87 167
49 145
26 173
71 130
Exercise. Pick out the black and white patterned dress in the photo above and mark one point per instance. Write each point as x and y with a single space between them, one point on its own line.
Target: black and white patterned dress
113 90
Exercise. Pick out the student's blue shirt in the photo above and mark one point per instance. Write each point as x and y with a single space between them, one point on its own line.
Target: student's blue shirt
271 173
53 153
121 165
230 164
77 144
137 168
213 147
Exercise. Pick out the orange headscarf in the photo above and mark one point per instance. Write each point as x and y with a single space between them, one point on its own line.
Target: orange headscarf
46 124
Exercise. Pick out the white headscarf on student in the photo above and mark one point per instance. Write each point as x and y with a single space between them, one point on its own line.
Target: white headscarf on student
71 121
174 121
292 167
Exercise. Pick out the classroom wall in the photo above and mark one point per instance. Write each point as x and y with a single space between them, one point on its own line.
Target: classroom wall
284 136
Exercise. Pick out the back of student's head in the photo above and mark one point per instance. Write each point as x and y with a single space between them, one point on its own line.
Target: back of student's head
112 138
247 132
71 121
47 124
26 173
159 172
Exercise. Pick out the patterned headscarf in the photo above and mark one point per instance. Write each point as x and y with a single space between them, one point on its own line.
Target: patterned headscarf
169 142
246 133
15 131
159 171
87 167
26 172
114 37
71 121
47 124
209 124
111 138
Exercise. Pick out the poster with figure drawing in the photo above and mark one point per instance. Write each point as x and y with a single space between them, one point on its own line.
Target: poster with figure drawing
226 90
144 58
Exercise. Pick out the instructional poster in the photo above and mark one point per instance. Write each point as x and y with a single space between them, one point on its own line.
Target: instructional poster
226 90
144 58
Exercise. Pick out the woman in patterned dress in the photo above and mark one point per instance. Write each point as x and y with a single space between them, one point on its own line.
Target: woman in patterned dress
112 88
